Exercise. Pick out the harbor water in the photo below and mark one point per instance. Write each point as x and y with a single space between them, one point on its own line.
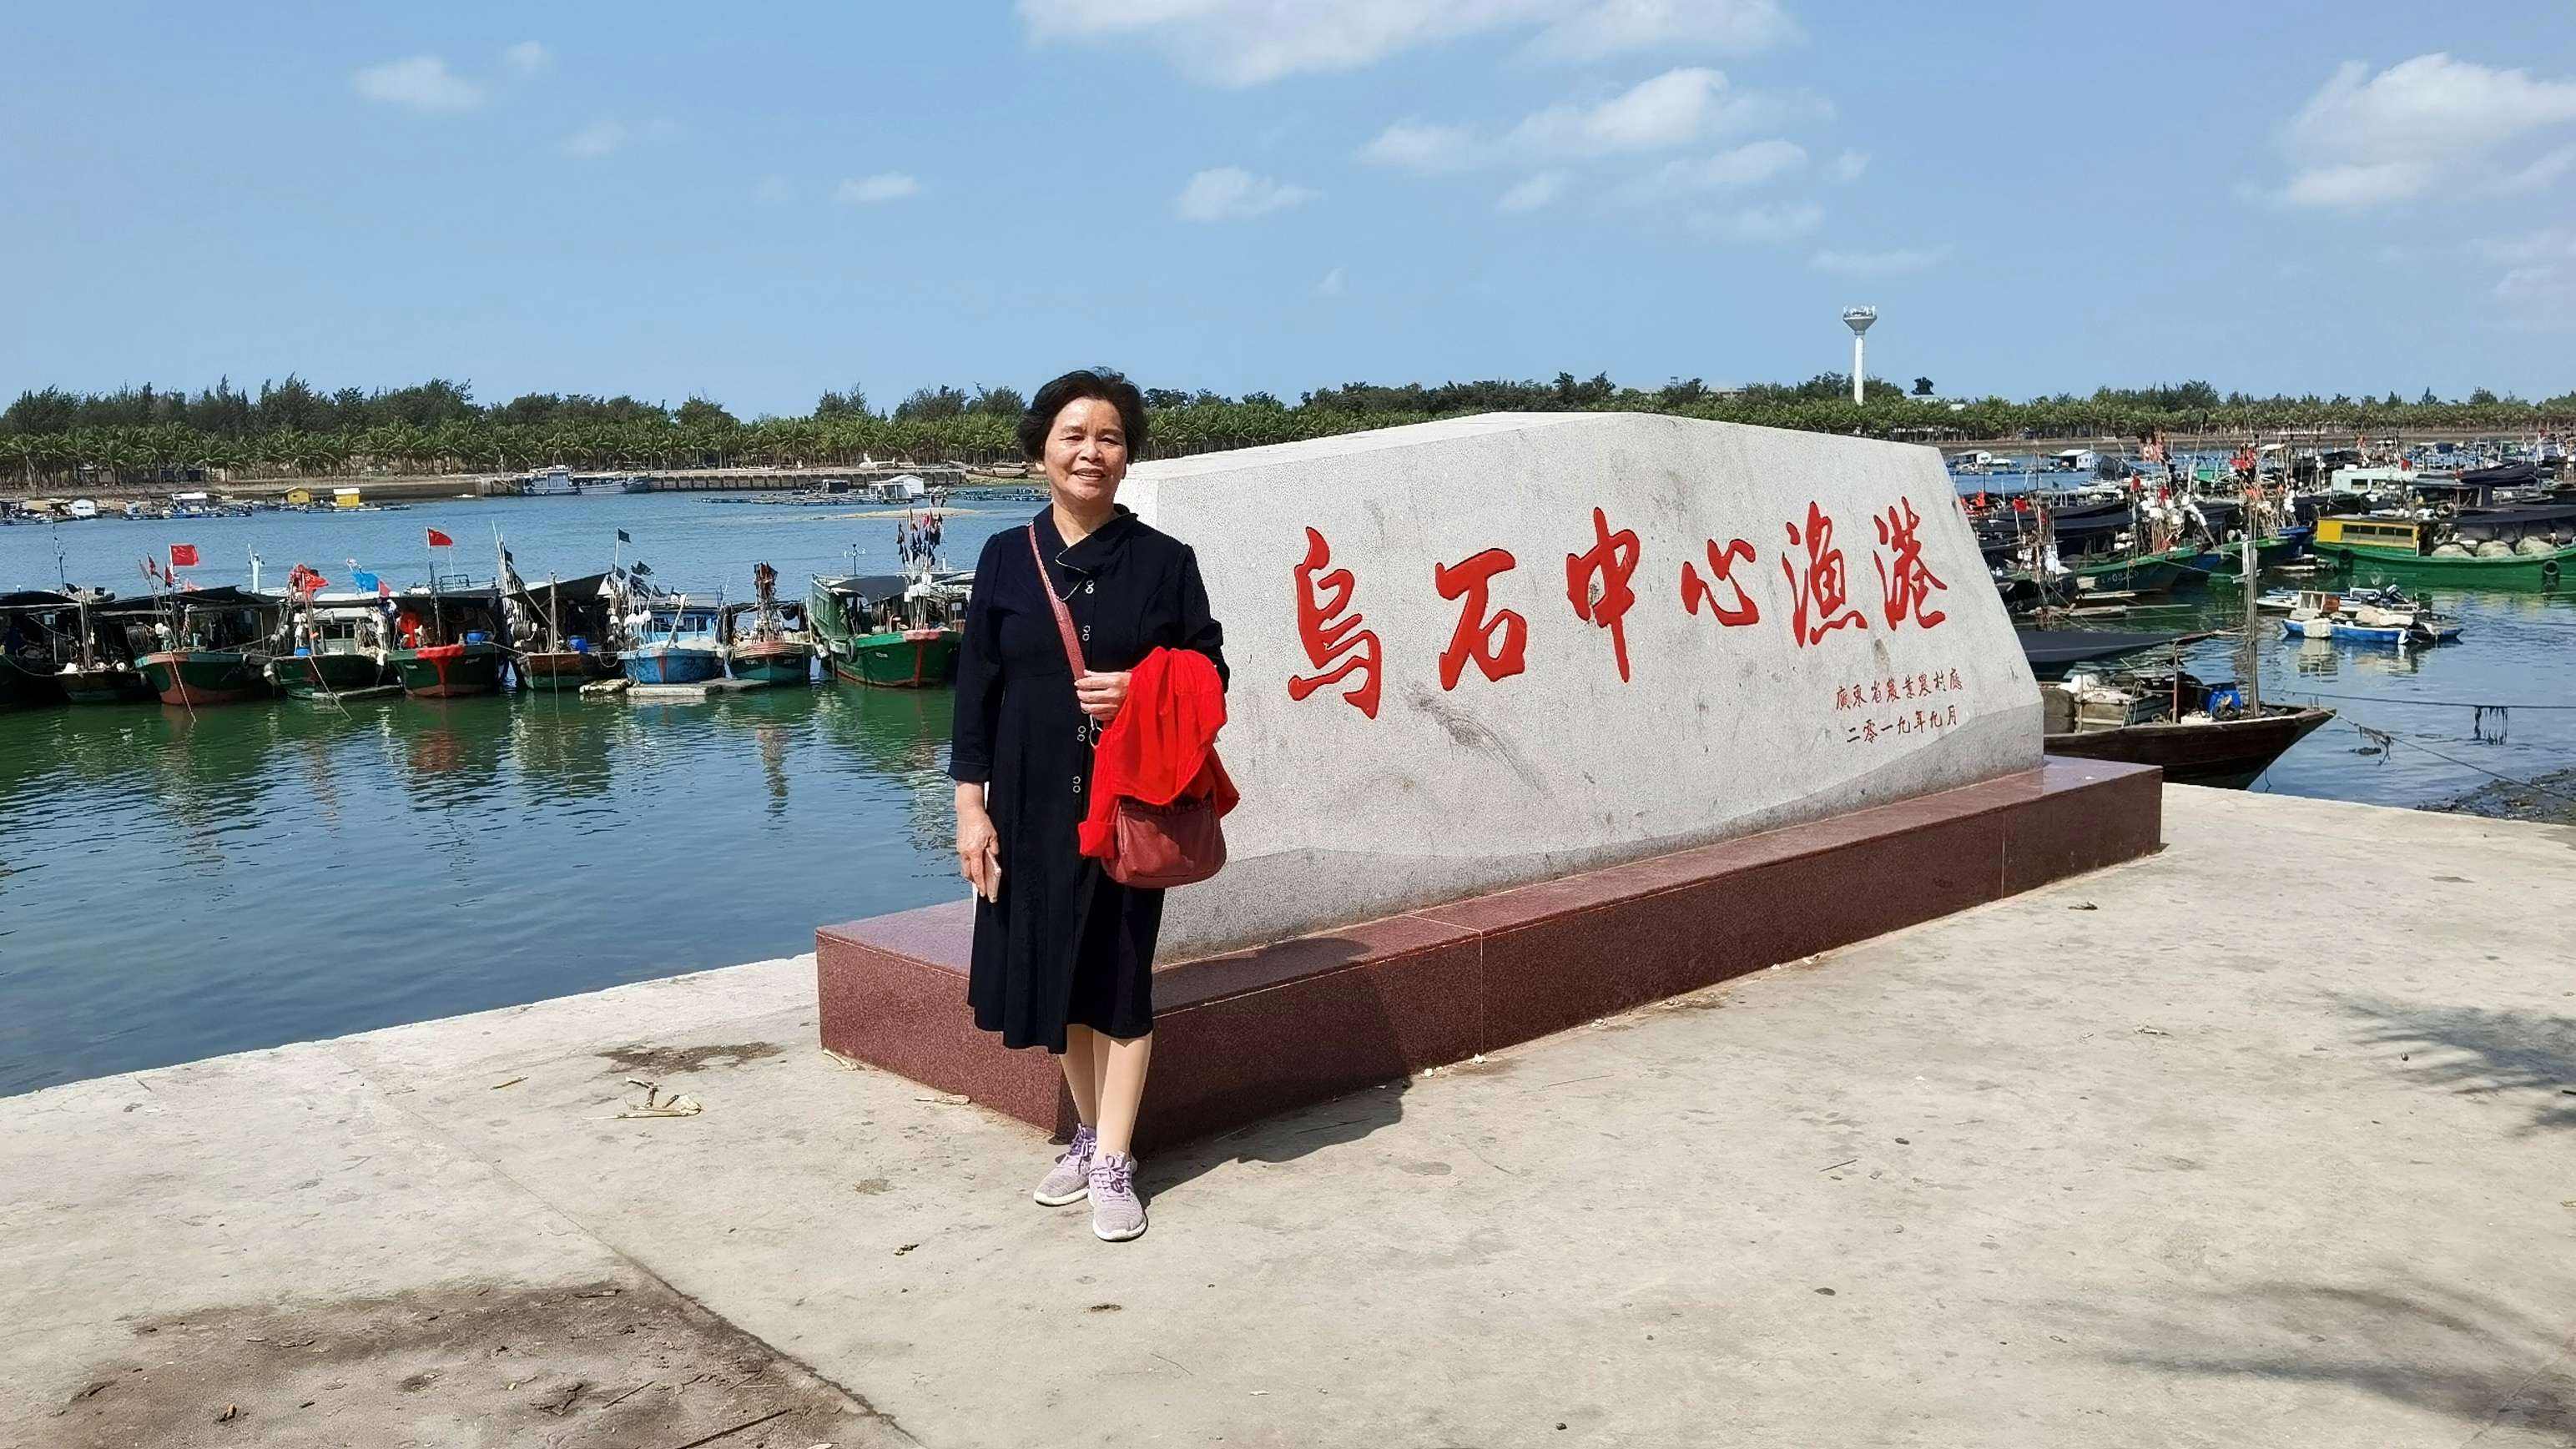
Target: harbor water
174 886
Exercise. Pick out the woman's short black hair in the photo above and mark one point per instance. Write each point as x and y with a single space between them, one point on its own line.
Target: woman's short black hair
1097 382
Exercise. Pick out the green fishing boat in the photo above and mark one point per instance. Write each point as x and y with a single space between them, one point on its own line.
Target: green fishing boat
2139 573
2230 562
2477 548
200 677
892 631
338 649
2145 573
215 646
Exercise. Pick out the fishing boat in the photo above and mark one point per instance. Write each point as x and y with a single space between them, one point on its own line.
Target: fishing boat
42 633
891 631
2197 733
2503 547
103 682
24 687
571 623
336 649
771 642
201 677
214 647
2386 617
450 642
104 671
675 639
2052 653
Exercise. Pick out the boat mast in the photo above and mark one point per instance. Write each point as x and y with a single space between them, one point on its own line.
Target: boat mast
2253 671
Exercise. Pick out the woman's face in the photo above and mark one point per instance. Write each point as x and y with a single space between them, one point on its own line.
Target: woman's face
1086 453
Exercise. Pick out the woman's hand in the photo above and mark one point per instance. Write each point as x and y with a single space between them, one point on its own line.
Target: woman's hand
979 846
1101 694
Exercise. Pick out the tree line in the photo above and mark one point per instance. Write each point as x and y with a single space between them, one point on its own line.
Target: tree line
293 429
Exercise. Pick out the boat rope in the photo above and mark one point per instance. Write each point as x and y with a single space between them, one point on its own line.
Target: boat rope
2384 741
2430 703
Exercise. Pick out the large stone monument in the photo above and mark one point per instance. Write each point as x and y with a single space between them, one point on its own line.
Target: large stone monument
1538 716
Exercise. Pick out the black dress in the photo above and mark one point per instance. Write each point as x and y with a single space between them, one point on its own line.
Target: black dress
1064 944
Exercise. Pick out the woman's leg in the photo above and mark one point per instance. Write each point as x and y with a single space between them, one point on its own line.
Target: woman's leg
1122 1087
1083 1060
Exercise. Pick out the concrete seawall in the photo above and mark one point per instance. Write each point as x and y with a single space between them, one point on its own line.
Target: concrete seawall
2263 1139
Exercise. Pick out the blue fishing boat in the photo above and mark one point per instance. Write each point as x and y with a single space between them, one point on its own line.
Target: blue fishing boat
676 640
2383 617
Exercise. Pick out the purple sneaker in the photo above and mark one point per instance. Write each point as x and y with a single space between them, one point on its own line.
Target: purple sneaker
1117 1213
1070 1179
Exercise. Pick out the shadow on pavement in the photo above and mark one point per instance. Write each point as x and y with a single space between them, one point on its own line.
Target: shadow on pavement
2478 1051
2423 1345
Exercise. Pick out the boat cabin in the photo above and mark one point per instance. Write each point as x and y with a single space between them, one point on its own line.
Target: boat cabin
578 615
339 624
883 604
427 617
2404 535
679 620
744 624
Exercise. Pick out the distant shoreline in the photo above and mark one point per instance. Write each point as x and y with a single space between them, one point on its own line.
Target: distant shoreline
419 487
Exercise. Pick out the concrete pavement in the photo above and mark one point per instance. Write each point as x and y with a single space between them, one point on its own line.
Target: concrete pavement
2266 1140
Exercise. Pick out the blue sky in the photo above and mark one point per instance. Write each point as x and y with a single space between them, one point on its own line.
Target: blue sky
760 202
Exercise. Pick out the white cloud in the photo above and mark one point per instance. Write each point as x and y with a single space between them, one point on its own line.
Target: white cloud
1784 221
1747 165
872 190
773 191
1878 264
2549 244
1332 284
419 82
1230 193
1414 146
527 57
1849 165
2539 282
1672 109
1249 42
1677 108
599 138
2549 291
1616 27
2366 139
2359 184
1532 192
2539 173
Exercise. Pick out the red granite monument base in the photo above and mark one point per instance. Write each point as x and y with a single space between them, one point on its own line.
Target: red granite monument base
1255 1032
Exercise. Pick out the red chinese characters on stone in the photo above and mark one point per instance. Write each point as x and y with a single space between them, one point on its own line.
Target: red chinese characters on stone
1906 585
1335 643
1499 644
1721 565
1609 562
1821 598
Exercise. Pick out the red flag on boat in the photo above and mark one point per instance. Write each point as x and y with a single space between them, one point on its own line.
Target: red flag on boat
440 540
306 580
183 555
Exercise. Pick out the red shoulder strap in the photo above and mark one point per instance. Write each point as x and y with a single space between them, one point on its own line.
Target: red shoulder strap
1063 618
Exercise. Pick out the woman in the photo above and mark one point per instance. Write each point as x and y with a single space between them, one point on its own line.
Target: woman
1064 955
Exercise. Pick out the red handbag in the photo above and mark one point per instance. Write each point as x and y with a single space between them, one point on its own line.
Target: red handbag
1151 847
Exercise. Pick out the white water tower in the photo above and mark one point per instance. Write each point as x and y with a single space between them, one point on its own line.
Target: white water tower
1858 320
